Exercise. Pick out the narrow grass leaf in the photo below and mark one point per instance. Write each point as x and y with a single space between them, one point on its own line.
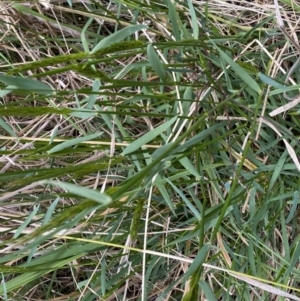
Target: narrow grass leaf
227 76
183 238
27 84
199 137
165 195
197 262
207 291
295 258
150 274
28 276
270 81
285 89
84 41
3 282
277 171
258 25
137 178
161 149
31 254
103 275
195 212
292 213
155 62
136 218
53 134
195 25
84 192
193 293
173 18
251 256
26 222
285 245
189 167
73 142
148 137
50 211
91 99
240 71
7 128
118 36
83 114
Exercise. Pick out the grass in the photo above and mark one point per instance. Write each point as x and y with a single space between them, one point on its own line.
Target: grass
141 154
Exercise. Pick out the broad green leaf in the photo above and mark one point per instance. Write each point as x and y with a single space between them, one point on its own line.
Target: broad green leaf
118 36
155 62
148 137
73 142
83 192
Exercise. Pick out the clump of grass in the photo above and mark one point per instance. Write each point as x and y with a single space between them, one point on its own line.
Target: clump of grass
138 157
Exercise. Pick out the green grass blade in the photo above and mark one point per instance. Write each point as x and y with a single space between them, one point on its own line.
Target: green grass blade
91 194
241 73
26 84
73 142
207 291
155 62
7 128
26 222
195 26
118 36
148 137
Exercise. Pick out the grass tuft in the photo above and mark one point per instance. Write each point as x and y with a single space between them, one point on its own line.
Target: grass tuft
149 151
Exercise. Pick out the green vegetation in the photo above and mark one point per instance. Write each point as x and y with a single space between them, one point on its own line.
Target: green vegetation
147 152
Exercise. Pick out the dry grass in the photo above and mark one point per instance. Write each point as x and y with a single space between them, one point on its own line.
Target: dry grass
105 195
